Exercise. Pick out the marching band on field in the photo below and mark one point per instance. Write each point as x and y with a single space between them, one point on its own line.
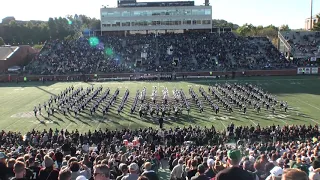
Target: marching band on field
229 96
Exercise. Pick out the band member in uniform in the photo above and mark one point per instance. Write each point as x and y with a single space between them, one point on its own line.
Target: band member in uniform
244 109
161 122
35 111
217 109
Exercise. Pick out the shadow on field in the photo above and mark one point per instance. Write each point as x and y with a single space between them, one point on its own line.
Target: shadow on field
45 90
274 84
27 84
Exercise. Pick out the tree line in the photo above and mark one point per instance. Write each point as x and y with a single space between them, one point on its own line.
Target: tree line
37 32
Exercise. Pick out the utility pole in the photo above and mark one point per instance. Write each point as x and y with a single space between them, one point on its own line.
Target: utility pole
311 20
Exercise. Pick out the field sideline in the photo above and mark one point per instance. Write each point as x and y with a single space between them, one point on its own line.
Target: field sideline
18 100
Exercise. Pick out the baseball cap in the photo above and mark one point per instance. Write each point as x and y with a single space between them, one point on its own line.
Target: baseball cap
234 154
276 171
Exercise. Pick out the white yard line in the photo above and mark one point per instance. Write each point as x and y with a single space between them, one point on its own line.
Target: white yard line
68 125
223 125
307 103
282 120
299 100
13 124
97 128
254 122
314 121
82 126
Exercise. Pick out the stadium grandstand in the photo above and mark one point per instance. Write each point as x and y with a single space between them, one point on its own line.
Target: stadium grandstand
301 46
149 97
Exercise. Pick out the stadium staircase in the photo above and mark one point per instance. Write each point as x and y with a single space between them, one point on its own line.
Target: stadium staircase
284 41
194 59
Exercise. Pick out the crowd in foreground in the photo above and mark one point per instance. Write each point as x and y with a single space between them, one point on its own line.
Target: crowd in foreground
270 153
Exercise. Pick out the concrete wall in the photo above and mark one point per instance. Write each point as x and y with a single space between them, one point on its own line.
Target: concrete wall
18 58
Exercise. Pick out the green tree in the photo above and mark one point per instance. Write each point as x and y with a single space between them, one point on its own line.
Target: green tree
52 28
13 23
316 26
284 27
246 30
223 23
38 46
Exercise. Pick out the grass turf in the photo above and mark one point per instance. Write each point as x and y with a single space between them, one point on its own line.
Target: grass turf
18 100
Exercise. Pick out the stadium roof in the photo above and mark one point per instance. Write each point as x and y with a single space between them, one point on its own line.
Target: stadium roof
6 51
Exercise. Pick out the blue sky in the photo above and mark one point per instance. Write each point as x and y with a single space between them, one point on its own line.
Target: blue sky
256 12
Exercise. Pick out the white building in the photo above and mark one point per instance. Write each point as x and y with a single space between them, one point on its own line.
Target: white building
307 22
147 17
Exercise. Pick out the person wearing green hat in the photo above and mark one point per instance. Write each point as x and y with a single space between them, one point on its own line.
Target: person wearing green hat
234 171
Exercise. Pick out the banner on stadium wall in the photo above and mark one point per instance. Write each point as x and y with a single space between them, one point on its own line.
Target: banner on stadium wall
300 70
314 71
313 59
307 70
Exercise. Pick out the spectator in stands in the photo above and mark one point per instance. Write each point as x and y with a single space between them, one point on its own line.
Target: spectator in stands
178 171
133 172
19 171
193 170
124 170
294 174
65 174
101 172
75 168
161 53
234 171
210 171
3 166
148 172
201 175
49 172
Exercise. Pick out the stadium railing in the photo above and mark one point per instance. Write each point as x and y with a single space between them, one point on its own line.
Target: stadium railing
89 77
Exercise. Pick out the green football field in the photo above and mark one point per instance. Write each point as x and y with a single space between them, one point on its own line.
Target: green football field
18 101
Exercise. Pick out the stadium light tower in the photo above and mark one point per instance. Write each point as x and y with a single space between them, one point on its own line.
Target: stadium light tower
311 20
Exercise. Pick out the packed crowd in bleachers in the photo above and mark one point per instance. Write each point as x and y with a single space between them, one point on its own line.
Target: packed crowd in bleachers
303 43
245 153
162 53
